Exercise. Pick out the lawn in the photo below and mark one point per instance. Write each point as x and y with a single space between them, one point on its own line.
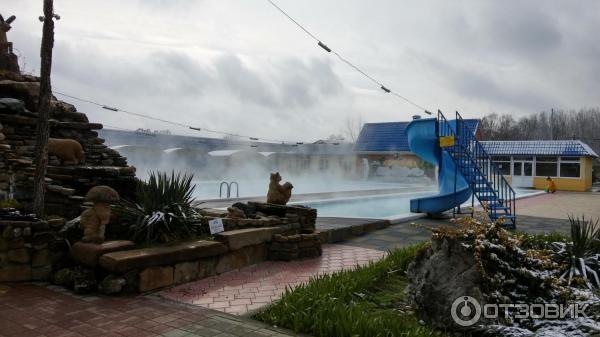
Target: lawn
365 301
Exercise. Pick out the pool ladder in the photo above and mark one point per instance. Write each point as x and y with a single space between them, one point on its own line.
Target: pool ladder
229 186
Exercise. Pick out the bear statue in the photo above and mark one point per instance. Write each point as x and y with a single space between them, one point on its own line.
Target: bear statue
94 219
69 151
279 194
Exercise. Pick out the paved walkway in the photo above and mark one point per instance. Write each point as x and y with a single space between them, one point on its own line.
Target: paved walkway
561 204
408 233
539 214
29 310
248 289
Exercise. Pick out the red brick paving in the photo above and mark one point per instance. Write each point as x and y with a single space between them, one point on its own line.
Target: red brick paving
36 310
31 310
247 289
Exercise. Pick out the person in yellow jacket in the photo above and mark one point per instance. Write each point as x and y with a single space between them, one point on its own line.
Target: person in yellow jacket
551 187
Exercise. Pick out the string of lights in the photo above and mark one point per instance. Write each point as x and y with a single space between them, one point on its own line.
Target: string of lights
325 47
187 126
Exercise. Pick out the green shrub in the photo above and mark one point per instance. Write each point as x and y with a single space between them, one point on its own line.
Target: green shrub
581 256
350 302
583 234
541 241
162 211
9 203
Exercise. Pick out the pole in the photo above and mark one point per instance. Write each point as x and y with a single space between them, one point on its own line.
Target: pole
42 131
551 124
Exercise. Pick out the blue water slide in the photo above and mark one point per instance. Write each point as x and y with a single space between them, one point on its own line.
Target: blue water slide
423 141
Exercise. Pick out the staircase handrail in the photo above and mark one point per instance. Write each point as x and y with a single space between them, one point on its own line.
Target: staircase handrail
504 185
500 188
484 152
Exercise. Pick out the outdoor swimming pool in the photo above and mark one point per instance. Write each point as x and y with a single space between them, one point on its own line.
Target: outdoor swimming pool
258 188
380 206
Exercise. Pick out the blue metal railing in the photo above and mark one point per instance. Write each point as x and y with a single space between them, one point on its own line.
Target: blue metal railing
487 182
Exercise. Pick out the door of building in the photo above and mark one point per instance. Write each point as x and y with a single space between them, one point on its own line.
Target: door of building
522 173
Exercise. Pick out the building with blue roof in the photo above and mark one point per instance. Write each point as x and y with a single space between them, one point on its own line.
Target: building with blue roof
382 138
384 148
529 163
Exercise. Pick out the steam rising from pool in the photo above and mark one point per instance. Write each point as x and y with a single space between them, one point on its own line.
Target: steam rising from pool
251 169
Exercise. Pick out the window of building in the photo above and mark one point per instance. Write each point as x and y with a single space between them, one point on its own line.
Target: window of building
546 167
323 164
523 158
503 163
517 168
570 167
347 165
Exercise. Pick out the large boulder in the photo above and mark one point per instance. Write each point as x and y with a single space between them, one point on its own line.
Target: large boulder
473 264
28 92
12 105
439 275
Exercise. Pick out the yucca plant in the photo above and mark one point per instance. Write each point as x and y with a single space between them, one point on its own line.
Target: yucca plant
580 254
162 211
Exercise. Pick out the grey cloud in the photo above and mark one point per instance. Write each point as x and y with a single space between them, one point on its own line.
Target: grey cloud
218 60
183 74
522 27
474 83
247 84
292 83
484 88
304 84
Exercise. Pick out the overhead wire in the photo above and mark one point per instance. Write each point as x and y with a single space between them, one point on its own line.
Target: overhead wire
195 128
328 49
188 126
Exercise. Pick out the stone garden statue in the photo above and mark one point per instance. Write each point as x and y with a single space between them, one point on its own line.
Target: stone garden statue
94 219
8 60
68 151
5 46
279 194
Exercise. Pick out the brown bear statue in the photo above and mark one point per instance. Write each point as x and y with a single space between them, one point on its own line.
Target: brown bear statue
69 151
279 194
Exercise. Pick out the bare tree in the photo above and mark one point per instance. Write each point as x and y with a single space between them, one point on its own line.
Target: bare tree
555 124
353 127
42 131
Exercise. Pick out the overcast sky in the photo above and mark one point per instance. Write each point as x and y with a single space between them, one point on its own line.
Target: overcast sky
241 66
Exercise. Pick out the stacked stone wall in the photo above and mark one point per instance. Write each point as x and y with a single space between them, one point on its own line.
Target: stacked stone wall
293 247
65 184
28 247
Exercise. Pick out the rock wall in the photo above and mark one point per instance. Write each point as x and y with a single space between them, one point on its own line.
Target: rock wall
28 247
293 247
65 184
269 232
9 62
299 218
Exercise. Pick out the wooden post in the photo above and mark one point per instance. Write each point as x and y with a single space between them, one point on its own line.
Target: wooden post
42 131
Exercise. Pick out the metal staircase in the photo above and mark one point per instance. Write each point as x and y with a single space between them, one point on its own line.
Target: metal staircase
486 180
